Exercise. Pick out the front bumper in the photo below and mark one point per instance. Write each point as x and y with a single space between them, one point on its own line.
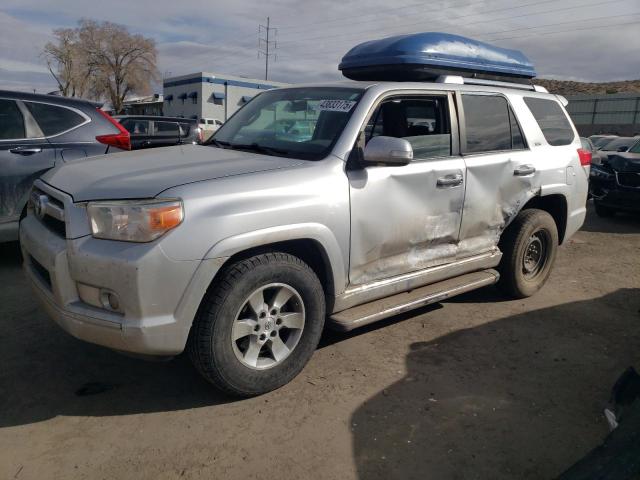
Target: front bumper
608 193
158 296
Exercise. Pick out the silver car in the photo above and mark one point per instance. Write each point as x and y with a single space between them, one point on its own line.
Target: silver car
241 250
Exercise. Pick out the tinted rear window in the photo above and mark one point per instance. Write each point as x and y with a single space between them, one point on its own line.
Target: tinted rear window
11 121
488 126
53 119
552 121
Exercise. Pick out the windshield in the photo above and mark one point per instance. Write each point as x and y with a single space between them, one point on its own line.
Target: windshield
635 148
290 122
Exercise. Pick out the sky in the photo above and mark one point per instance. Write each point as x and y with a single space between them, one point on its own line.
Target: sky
583 40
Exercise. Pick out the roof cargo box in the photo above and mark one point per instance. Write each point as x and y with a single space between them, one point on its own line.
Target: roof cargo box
425 56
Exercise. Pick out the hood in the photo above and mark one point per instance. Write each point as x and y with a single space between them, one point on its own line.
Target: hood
146 173
625 162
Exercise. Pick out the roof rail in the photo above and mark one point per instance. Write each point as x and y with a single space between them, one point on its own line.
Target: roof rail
459 80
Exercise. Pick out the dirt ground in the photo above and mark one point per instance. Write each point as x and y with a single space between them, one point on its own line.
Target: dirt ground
477 387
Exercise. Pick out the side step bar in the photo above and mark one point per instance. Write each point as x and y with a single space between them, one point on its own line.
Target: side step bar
403 302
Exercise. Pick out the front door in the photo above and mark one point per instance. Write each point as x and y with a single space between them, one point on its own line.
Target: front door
24 156
407 218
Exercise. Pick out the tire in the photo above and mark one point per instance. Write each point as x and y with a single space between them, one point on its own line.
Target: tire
602 211
231 323
529 246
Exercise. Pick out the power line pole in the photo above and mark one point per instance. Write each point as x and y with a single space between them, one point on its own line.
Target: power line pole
267 45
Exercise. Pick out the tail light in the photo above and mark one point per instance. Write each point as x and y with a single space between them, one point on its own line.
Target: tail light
585 157
200 135
119 140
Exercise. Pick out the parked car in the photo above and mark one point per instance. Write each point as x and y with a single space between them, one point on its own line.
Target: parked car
148 131
615 183
238 250
209 127
38 132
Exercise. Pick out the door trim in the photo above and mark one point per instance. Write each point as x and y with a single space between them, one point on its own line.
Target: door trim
375 290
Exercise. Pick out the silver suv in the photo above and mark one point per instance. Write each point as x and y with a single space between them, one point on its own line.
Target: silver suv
398 195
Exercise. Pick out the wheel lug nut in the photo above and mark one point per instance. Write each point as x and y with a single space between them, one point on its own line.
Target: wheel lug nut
273 333
274 311
263 314
279 321
263 336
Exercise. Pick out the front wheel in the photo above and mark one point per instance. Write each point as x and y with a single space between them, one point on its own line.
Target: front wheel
259 324
529 246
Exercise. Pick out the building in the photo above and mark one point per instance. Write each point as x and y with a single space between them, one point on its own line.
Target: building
150 105
209 95
615 113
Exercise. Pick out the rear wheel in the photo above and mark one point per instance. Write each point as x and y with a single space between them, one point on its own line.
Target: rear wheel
603 211
529 247
259 324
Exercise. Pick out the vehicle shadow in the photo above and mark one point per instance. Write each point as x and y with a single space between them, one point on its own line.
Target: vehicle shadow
623 223
521 397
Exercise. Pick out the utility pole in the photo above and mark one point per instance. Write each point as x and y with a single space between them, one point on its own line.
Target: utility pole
267 45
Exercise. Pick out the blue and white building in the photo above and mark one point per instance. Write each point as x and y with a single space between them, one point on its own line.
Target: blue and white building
209 95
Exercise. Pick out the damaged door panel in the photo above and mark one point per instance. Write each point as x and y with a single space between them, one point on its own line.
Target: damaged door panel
501 170
407 218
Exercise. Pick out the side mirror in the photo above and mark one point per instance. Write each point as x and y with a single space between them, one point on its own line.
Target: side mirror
388 151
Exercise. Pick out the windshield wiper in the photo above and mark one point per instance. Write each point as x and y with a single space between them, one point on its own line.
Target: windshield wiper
254 147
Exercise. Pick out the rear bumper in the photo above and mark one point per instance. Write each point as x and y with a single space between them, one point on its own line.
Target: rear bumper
158 296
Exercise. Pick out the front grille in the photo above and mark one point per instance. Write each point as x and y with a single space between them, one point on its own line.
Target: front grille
42 272
629 179
49 210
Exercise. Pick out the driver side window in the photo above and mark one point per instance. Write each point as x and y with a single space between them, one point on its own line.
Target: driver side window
421 120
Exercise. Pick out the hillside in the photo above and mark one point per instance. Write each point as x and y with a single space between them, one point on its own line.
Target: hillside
564 87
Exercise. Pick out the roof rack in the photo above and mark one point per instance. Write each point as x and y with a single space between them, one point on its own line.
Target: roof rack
459 80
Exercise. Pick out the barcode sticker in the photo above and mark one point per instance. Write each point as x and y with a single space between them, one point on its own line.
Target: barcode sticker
336 105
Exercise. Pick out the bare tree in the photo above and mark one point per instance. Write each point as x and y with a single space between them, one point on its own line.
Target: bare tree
65 62
102 60
121 63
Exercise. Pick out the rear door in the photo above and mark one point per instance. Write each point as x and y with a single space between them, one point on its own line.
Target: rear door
500 169
24 155
57 123
406 218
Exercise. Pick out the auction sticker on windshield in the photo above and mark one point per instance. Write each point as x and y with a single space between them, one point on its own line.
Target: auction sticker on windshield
336 105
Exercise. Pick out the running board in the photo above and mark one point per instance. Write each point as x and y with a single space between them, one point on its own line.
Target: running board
403 302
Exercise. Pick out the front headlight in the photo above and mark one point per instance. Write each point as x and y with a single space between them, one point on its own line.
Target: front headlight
134 220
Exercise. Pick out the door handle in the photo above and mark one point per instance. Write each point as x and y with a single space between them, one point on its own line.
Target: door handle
523 170
25 150
452 180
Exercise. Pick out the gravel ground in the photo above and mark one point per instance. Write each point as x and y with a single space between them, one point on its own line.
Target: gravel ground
477 387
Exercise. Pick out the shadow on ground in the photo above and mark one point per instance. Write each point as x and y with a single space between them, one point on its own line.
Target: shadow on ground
508 399
621 223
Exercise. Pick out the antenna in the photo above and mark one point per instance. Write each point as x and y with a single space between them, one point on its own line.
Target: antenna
267 45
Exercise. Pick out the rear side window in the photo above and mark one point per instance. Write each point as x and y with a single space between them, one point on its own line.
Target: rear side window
488 123
53 119
166 129
136 127
11 121
552 120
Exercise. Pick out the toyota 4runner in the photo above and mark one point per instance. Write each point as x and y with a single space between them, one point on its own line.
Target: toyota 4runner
401 194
